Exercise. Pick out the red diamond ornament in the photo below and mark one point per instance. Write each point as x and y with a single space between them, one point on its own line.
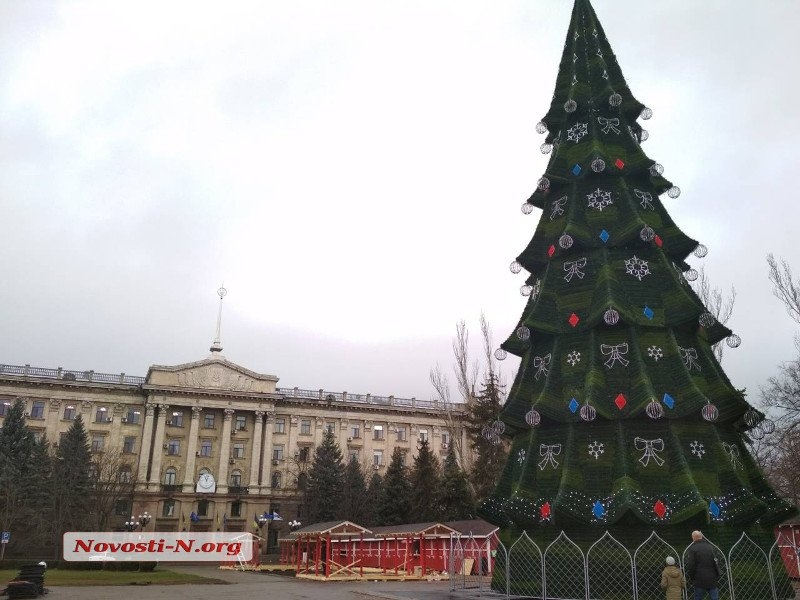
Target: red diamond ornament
551 250
659 509
573 319
659 242
619 164
620 401
544 511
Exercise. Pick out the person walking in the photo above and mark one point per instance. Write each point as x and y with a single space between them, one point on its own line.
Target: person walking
702 567
672 580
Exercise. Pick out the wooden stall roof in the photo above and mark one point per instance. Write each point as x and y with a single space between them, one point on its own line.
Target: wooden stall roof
474 527
414 529
332 528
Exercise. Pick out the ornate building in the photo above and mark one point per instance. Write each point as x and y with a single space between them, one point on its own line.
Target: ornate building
218 440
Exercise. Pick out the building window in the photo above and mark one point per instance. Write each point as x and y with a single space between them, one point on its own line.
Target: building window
280 426
101 415
122 508
93 471
404 458
330 427
302 481
177 419
355 431
125 474
276 480
62 436
202 508
174 447
168 509
377 457
352 453
236 479
277 452
238 451
241 423
208 420
302 454
305 426
170 475
129 445
37 411
401 434
445 439
205 448
236 509
4 406
69 413
98 441
423 435
377 432
37 435
132 417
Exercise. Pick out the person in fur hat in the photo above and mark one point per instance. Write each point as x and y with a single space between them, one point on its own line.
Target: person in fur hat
672 580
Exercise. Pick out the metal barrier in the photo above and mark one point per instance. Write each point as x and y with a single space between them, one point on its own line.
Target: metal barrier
485 568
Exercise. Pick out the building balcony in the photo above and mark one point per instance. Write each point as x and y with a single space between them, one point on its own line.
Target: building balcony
238 490
169 488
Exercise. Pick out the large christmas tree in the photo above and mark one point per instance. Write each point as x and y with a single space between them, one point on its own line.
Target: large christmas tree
620 416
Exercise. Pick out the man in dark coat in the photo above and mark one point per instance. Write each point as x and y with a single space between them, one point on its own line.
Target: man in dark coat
702 567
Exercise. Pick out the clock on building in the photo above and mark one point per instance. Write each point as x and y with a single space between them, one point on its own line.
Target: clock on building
206 483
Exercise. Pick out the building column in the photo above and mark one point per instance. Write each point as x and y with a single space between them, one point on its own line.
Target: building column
146 445
266 453
158 451
252 483
224 452
191 451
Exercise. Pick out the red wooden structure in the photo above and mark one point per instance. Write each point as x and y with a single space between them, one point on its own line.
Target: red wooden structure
788 536
345 550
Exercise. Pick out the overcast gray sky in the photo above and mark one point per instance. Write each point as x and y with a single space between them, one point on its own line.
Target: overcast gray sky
353 171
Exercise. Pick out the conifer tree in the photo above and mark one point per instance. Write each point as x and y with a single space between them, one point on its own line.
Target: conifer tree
489 449
394 505
325 481
374 493
425 480
71 484
455 499
16 454
354 493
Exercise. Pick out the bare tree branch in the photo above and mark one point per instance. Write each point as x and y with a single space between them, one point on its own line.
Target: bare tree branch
784 286
717 303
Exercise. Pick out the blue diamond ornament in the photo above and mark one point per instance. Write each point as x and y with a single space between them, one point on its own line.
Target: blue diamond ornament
597 510
604 235
713 508
669 400
573 405
648 312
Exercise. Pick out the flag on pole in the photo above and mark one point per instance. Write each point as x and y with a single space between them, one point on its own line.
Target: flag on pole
276 516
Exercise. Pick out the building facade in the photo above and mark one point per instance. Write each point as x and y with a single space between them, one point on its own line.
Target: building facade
218 440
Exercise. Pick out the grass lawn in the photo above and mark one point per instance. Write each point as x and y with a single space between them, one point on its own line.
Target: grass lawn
56 577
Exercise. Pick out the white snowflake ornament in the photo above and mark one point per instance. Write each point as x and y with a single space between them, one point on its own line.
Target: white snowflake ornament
599 199
596 449
655 352
577 131
573 358
637 267
697 449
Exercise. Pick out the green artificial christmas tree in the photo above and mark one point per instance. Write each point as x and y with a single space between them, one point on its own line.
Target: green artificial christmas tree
620 417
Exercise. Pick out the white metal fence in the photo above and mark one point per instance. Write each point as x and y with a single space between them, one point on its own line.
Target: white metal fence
608 570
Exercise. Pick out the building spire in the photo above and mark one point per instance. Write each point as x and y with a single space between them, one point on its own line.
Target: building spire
217 345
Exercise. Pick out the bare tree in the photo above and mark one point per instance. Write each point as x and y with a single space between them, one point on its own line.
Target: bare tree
784 286
716 302
113 481
782 391
466 373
